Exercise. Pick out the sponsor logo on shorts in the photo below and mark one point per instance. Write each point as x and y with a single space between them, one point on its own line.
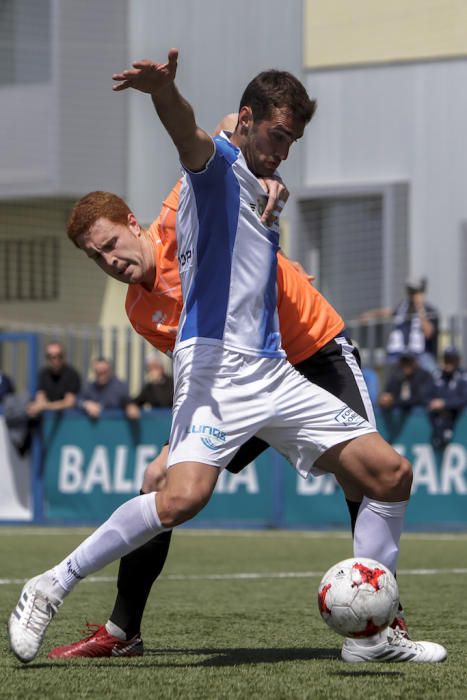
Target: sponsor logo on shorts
348 417
211 437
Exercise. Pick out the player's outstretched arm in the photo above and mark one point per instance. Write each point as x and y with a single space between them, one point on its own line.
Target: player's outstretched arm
194 145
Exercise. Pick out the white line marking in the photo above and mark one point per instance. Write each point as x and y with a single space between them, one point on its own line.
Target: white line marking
29 531
245 576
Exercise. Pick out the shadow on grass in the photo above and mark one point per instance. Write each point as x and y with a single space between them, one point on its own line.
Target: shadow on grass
361 672
160 658
239 657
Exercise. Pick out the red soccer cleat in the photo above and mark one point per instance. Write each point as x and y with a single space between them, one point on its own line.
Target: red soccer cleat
99 643
400 624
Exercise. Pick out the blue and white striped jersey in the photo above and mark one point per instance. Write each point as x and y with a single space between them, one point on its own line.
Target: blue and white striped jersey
227 258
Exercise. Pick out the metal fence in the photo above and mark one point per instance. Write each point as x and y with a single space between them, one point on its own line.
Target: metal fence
21 352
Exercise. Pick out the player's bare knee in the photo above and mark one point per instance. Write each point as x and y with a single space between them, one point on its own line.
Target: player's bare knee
406 476
396 479
176 508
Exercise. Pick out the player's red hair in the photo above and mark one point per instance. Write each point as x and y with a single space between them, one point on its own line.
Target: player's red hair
92 207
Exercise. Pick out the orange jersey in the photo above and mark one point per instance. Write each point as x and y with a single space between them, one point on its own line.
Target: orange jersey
155 314
307 321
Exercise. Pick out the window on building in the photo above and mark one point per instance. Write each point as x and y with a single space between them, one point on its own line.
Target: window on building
356 244
29 269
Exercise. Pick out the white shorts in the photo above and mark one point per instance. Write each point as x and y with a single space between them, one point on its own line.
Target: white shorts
222 398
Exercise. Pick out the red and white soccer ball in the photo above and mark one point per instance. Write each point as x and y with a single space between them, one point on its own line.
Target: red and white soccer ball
358 597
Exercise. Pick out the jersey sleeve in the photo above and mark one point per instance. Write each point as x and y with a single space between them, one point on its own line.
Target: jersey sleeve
225 154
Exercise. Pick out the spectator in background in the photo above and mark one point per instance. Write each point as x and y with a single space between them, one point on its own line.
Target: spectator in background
105 392
415 327
14 410
448 398
408 386
58 383
6 386
157 391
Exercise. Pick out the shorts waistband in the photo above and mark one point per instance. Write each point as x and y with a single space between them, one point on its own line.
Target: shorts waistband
342 334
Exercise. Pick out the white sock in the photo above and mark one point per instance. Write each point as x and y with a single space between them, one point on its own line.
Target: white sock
374 639
115 630
49 585
129 527
378 530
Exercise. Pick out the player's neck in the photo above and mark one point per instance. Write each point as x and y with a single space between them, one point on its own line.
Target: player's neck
148 282
150 263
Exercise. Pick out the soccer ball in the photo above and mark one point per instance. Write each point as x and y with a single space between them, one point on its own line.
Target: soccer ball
358 597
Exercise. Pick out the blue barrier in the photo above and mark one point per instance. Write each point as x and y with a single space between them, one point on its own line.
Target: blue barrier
91 467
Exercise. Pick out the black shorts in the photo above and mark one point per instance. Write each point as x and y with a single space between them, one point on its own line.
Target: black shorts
336 368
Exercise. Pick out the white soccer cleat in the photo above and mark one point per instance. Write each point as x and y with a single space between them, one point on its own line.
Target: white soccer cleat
396 647
30 619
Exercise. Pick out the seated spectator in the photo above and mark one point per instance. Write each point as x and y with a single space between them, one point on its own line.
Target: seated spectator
6 386
408 386
448 398
415 325
105 392
157 391
14 410
58 383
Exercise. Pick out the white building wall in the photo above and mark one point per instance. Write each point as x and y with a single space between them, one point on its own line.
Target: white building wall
66 135
396 123
92 43
27 140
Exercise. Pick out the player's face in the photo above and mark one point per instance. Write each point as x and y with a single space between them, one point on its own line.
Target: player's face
268 142
121 250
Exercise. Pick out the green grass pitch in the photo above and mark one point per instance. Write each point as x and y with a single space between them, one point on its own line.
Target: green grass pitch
235 616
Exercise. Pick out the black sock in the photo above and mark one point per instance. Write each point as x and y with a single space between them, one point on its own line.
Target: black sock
354 507
136 575
137 572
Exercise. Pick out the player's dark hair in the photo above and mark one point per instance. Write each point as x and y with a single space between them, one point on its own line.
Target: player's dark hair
92 207
275 89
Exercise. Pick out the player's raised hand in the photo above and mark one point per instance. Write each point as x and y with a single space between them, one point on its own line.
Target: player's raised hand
147 76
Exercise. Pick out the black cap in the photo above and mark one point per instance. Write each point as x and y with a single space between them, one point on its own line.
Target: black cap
451 353
416 284
407 355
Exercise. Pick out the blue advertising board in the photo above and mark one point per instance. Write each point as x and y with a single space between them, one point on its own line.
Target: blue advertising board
91 467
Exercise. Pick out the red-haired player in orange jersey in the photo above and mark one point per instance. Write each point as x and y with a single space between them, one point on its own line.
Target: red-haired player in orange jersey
314 339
